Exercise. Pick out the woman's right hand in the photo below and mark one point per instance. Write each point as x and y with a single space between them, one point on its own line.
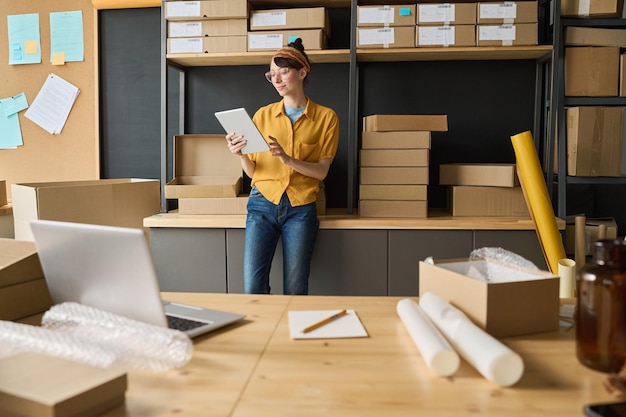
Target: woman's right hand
235 143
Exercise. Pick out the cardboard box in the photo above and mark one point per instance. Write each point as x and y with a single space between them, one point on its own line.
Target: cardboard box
207 9
3 193
502 307
592 227
204 167
391 208
218 205
273 40
123 202
446 14
294 18
402 122
215 44
201 28
585 36
409 192
592 71
386 15
474 201
486 175
596 8
395 157
390 37
505 12
36 385
23 289
394 175
412 139
453 35
594 141
507 35
622 75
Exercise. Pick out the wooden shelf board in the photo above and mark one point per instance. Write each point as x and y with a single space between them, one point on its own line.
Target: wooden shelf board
253 58
454 53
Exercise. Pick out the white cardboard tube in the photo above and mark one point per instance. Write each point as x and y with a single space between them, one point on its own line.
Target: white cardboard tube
439 356
491 358
567 277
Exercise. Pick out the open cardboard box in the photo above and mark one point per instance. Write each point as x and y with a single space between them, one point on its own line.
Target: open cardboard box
204 167
512 303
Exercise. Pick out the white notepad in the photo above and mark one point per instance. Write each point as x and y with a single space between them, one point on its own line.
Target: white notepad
347 326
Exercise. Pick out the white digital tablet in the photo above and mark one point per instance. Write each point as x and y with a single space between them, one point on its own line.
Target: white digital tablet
240 122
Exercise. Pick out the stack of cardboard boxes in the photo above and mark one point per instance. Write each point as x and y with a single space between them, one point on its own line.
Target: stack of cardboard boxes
484 190
394 164
446 24
507 23
386 26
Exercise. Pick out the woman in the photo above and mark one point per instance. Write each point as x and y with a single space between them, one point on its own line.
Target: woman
303 138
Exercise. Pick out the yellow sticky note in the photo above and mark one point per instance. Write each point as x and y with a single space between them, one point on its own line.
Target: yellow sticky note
31 47
58 58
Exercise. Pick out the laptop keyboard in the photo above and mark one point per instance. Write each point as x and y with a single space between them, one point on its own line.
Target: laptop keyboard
182 324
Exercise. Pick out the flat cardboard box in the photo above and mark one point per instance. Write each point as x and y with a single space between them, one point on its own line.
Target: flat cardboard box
592 227
394 175
207 9
218 205
123 202
507 35
486 175
474 201
452 35
276 39
505 12
622 75
206 45
403 122
446 14
386 15
389 37
200 28
593 9
591 71
204 167
412 139
395 157
36 385
293 18
502 307
3 193
594 141
391 208
586 36
408 192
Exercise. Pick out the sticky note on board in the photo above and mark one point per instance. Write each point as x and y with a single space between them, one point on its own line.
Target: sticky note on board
292 38
404 11
16 47
58 58
31 47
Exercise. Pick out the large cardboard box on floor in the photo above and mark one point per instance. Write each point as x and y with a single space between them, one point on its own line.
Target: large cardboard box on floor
204 167
23 289
121 202
201 28
292 18
593 9
488 201
395 157
584 36
401 122
507 12
512 302
447 35
276 39
213 44
507 35
446 14
393 208
486 175
591 71
206 9
594 141
386 15
386 37
412 139
395 175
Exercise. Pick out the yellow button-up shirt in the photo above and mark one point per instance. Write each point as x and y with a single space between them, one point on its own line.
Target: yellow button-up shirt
313 137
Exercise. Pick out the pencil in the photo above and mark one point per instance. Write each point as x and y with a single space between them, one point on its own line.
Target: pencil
324 321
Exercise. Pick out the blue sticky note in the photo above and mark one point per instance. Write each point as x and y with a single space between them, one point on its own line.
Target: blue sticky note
16 47
292 38
16 56
404 11
66 35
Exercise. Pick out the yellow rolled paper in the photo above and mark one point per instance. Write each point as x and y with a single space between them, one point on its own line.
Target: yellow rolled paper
538 200
124 4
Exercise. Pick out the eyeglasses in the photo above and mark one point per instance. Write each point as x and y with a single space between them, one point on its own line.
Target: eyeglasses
270 76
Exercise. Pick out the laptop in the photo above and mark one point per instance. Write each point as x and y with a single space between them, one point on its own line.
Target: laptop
111 268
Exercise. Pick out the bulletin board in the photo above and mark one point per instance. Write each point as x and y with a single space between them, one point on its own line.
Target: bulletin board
74 153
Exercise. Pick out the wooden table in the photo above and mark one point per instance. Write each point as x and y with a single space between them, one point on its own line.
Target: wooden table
255 369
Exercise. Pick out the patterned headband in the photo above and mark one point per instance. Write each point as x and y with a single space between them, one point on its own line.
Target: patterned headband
293 53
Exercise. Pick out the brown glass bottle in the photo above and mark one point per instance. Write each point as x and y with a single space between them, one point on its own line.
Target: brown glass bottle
601 308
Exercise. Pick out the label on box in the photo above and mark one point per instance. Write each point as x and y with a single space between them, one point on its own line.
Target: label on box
436 13
182 8
384 36
185 29
265 41
186 46
436 35
383 15
261 19
507 10
496 33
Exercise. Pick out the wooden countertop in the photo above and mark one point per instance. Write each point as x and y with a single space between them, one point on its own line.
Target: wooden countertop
254 369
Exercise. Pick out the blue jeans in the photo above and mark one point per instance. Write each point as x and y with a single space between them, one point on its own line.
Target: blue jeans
265 224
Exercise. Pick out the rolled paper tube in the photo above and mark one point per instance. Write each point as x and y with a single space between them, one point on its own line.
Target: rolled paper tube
490 357
124 4
567 278
439 356
580 241
537 198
